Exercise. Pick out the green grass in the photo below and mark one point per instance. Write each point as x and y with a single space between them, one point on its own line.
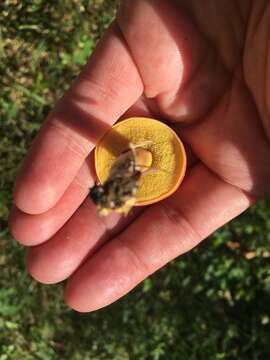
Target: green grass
210 304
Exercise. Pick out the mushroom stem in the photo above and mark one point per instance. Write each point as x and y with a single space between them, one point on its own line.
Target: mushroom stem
143 159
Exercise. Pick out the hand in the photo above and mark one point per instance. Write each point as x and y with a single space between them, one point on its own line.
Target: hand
201 65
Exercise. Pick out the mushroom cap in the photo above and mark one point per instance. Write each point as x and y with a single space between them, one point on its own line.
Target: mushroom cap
168 156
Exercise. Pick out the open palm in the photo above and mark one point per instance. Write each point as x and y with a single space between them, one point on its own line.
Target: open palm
190 63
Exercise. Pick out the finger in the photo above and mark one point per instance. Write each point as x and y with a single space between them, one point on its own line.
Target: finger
80 237
30 230
164 231
179 67
106 88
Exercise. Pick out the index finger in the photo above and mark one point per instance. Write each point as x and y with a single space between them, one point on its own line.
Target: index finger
108 85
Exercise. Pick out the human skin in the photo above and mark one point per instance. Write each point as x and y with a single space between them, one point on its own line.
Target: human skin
204 67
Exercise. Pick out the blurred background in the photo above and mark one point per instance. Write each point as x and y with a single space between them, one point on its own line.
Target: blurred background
212 303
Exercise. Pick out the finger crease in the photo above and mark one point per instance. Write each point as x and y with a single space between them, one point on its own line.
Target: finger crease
137 260
75 146
176 217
